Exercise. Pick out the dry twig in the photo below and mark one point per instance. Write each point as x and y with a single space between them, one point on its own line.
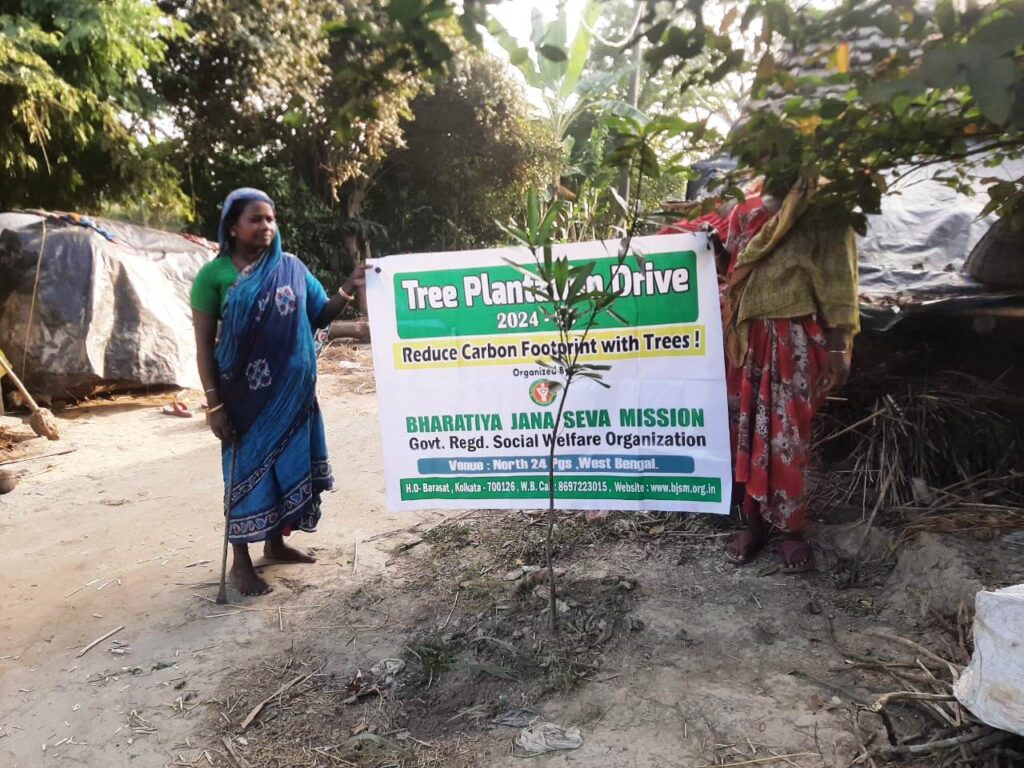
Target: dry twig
255 711
97 641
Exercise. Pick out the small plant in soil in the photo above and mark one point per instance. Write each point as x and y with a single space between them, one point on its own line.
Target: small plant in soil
573 305
435 653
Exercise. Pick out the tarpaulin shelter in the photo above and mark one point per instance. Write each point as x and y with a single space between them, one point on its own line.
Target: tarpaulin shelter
88 305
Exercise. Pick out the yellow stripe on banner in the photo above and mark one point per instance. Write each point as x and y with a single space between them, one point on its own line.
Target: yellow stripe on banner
599 346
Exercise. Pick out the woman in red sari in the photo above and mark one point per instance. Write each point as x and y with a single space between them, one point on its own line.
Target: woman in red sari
790 314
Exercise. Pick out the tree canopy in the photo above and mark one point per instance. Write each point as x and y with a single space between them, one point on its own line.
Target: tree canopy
867 88
75 99
470 152
391 117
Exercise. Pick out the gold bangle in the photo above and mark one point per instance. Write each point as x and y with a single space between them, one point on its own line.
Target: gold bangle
214 408
346 296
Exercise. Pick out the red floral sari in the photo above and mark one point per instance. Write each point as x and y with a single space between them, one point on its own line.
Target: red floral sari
774 395
772 399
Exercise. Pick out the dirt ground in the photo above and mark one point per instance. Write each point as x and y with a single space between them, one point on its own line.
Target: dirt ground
667 657
135 513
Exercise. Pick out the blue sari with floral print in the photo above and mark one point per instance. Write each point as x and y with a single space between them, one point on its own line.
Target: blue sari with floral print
266 359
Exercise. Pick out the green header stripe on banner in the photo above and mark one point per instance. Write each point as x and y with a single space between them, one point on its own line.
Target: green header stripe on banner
495 300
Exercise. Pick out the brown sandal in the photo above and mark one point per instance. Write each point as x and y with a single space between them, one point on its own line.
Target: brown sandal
743 547
795 554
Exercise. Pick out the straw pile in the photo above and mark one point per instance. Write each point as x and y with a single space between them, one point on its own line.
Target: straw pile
942 453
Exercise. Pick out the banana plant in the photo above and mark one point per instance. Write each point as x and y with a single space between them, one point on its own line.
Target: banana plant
554 65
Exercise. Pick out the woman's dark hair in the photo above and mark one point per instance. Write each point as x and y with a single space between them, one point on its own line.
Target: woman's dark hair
234 214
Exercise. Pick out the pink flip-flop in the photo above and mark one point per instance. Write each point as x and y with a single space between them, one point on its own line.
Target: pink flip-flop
177 408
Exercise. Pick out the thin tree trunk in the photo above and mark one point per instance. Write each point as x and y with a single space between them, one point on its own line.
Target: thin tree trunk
553 602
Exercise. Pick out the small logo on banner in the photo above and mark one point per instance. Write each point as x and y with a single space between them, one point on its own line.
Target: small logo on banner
544 391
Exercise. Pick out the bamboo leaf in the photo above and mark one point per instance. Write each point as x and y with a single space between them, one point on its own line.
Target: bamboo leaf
619 200
594 377
576 286
515 233
561 276
544 231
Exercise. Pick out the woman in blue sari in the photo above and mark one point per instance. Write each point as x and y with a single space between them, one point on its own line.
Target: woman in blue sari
259 374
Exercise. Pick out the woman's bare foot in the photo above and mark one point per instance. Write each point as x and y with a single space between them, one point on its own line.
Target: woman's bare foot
247 581
243 576
276 549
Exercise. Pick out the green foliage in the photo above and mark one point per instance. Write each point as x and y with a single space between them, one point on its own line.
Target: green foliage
361 115
309 227
73 99
377 62
155 196
305 98
435 654
597 211
470 153
682 41
556 69
574 307
660 90
244 64
944 86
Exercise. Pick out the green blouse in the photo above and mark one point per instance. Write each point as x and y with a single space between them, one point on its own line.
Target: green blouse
210 288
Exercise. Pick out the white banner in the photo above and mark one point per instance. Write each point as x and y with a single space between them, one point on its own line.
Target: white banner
466 409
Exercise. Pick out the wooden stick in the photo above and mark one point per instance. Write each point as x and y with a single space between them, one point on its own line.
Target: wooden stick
41 456
75 591
335 758
452 611
239 760
101 586
920 649
909 696
255 712
911 750
97 641
21 387
349 329
852 427
772 759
